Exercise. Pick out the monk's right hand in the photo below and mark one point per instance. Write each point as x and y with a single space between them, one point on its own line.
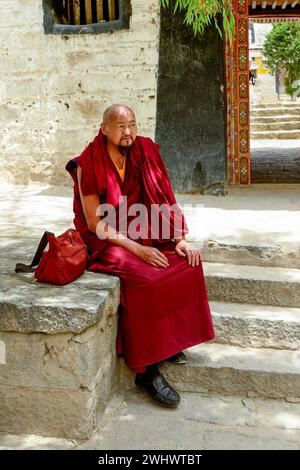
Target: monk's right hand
152 256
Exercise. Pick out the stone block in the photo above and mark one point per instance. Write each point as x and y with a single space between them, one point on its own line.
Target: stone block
49 412
60 348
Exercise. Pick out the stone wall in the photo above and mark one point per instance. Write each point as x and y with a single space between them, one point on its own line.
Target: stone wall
60 366
53 89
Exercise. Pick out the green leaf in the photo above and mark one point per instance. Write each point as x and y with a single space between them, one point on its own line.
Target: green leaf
281 50
202 15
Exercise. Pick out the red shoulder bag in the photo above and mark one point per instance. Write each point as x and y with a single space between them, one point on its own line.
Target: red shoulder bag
64 261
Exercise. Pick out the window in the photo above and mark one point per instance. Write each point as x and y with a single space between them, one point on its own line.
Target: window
85 16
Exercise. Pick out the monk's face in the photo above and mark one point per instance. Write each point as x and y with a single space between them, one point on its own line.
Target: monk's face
121 128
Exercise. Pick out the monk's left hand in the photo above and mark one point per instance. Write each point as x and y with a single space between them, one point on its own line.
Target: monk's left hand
183 248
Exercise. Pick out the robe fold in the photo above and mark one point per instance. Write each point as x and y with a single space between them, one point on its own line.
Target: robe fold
162 310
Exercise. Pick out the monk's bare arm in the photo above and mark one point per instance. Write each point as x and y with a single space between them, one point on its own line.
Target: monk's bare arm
90 204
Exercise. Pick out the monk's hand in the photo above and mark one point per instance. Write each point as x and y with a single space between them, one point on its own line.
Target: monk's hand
183 248
153 256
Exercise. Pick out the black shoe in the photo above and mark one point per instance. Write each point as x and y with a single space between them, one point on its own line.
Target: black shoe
178 358
159 389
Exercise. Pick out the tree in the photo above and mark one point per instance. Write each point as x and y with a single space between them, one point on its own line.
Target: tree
282 51
203 13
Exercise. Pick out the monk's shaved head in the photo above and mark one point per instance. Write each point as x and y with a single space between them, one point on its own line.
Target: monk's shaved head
119 127
114 111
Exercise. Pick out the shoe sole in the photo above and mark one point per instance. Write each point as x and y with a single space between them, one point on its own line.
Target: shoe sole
166 405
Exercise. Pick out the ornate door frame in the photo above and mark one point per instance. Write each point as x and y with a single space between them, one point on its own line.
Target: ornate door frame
237 97
238 92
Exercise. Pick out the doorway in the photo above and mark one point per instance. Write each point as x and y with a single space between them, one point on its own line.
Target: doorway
238 92
274 105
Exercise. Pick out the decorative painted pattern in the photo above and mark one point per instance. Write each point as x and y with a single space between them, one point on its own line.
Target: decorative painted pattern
243 88
243 140
242 7
237 93
243 114
243 58
242 29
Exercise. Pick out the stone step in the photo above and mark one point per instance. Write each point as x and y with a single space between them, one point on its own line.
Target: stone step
294 111
218 368
231 370
274 126
283 104
274 118
252 284
295 134
284 256
256 326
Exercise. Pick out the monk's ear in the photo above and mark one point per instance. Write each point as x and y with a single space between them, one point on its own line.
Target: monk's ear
103 129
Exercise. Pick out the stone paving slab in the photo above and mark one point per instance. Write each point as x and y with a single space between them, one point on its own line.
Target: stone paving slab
133 422
201 421
276 165
227 229
33 442
257 215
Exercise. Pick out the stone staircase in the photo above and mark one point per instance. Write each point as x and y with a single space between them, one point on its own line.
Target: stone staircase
61 348
61 377
275 121
256 352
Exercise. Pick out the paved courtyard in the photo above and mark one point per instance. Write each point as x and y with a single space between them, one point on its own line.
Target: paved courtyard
275 160
258 215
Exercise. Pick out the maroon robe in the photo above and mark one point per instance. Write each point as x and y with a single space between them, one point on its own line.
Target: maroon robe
162 310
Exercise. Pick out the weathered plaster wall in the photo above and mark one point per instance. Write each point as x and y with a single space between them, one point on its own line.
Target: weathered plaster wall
53 89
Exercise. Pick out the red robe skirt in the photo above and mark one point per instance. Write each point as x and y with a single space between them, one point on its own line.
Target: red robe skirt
162 310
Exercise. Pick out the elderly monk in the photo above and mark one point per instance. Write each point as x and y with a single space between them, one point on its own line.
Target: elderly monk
164 307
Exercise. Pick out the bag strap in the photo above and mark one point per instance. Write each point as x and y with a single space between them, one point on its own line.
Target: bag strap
28 268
